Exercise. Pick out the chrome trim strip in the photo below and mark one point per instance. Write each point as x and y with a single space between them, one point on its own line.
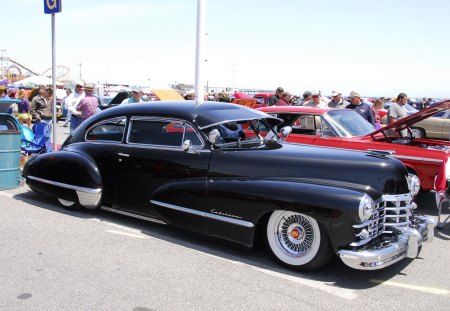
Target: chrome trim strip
397 197
72 187
115 119
417 159
9 151
113 210
230 220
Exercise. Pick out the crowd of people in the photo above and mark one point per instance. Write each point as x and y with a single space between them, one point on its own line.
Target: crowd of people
370 110
81 104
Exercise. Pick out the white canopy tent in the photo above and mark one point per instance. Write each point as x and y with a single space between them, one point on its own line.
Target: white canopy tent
35 81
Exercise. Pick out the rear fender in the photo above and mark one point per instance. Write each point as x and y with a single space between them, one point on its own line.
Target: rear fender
65 175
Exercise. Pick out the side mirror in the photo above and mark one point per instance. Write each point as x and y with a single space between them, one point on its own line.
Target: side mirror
214 137
187 147
286 131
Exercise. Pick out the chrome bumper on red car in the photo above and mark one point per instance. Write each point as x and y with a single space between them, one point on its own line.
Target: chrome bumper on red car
403 243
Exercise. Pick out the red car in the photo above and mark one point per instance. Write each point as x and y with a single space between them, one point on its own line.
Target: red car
344 128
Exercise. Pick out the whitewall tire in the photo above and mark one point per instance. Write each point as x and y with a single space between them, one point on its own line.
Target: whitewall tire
297 241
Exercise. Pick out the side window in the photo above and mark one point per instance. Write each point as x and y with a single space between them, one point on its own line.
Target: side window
439 114
305 125
191 134
108 130
327 131
161 132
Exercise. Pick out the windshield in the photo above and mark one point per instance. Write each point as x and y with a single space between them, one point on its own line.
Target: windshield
349 123
243 132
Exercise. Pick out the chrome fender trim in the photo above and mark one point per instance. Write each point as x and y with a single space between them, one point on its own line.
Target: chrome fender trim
230 220
87 197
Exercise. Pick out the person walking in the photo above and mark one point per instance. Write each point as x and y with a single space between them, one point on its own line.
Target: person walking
361 108
88 105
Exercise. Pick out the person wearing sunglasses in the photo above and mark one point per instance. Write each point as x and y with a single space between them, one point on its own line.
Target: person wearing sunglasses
316 101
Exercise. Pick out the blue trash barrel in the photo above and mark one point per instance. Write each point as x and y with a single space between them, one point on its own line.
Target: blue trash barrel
9 152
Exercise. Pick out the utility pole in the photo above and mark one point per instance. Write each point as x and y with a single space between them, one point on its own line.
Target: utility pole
80 72
232 81
2 57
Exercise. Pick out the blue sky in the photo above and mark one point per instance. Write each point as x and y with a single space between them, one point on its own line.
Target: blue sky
378 48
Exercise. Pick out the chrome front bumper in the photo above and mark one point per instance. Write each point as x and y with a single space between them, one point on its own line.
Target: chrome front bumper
404 243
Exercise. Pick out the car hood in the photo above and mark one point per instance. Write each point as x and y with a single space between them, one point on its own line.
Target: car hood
414 118
369 172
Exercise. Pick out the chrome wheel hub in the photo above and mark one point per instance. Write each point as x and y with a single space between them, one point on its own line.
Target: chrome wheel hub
295 234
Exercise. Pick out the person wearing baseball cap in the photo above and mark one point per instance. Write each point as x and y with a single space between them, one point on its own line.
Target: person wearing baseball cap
136 96
337 101
361 108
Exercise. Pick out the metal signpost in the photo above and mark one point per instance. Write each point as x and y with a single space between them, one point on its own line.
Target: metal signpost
52 7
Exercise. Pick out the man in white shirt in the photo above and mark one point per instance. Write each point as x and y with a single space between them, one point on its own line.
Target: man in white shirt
72 101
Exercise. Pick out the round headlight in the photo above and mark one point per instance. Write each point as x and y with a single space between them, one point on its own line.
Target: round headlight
366 207
413 184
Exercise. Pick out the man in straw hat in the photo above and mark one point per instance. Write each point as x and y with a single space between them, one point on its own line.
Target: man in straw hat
87 105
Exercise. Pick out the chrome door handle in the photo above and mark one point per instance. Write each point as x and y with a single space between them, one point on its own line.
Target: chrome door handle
123 154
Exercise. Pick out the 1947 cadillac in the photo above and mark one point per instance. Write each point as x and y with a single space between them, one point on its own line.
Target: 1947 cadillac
210 169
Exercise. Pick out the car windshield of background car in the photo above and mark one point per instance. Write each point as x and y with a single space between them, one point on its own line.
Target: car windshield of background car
349 123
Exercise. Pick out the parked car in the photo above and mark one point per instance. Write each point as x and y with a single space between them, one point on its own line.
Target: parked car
435 127
210 169
345 129
108 101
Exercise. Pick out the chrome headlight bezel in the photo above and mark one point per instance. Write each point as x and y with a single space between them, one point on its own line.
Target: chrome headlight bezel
366 207
413 184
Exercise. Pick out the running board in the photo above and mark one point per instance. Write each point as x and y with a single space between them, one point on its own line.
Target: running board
113 210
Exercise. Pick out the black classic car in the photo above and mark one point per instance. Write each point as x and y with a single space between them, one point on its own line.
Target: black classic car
220 169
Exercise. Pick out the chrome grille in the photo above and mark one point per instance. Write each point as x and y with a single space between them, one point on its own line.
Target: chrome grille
392 211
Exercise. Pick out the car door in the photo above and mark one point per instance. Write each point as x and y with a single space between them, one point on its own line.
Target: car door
102 140
157 178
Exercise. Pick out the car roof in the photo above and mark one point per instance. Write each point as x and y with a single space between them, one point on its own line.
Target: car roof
204 115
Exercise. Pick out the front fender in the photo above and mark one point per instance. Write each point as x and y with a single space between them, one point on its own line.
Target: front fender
65 175
336 209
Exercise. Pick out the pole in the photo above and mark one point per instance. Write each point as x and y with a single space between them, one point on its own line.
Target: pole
54 81
199 57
